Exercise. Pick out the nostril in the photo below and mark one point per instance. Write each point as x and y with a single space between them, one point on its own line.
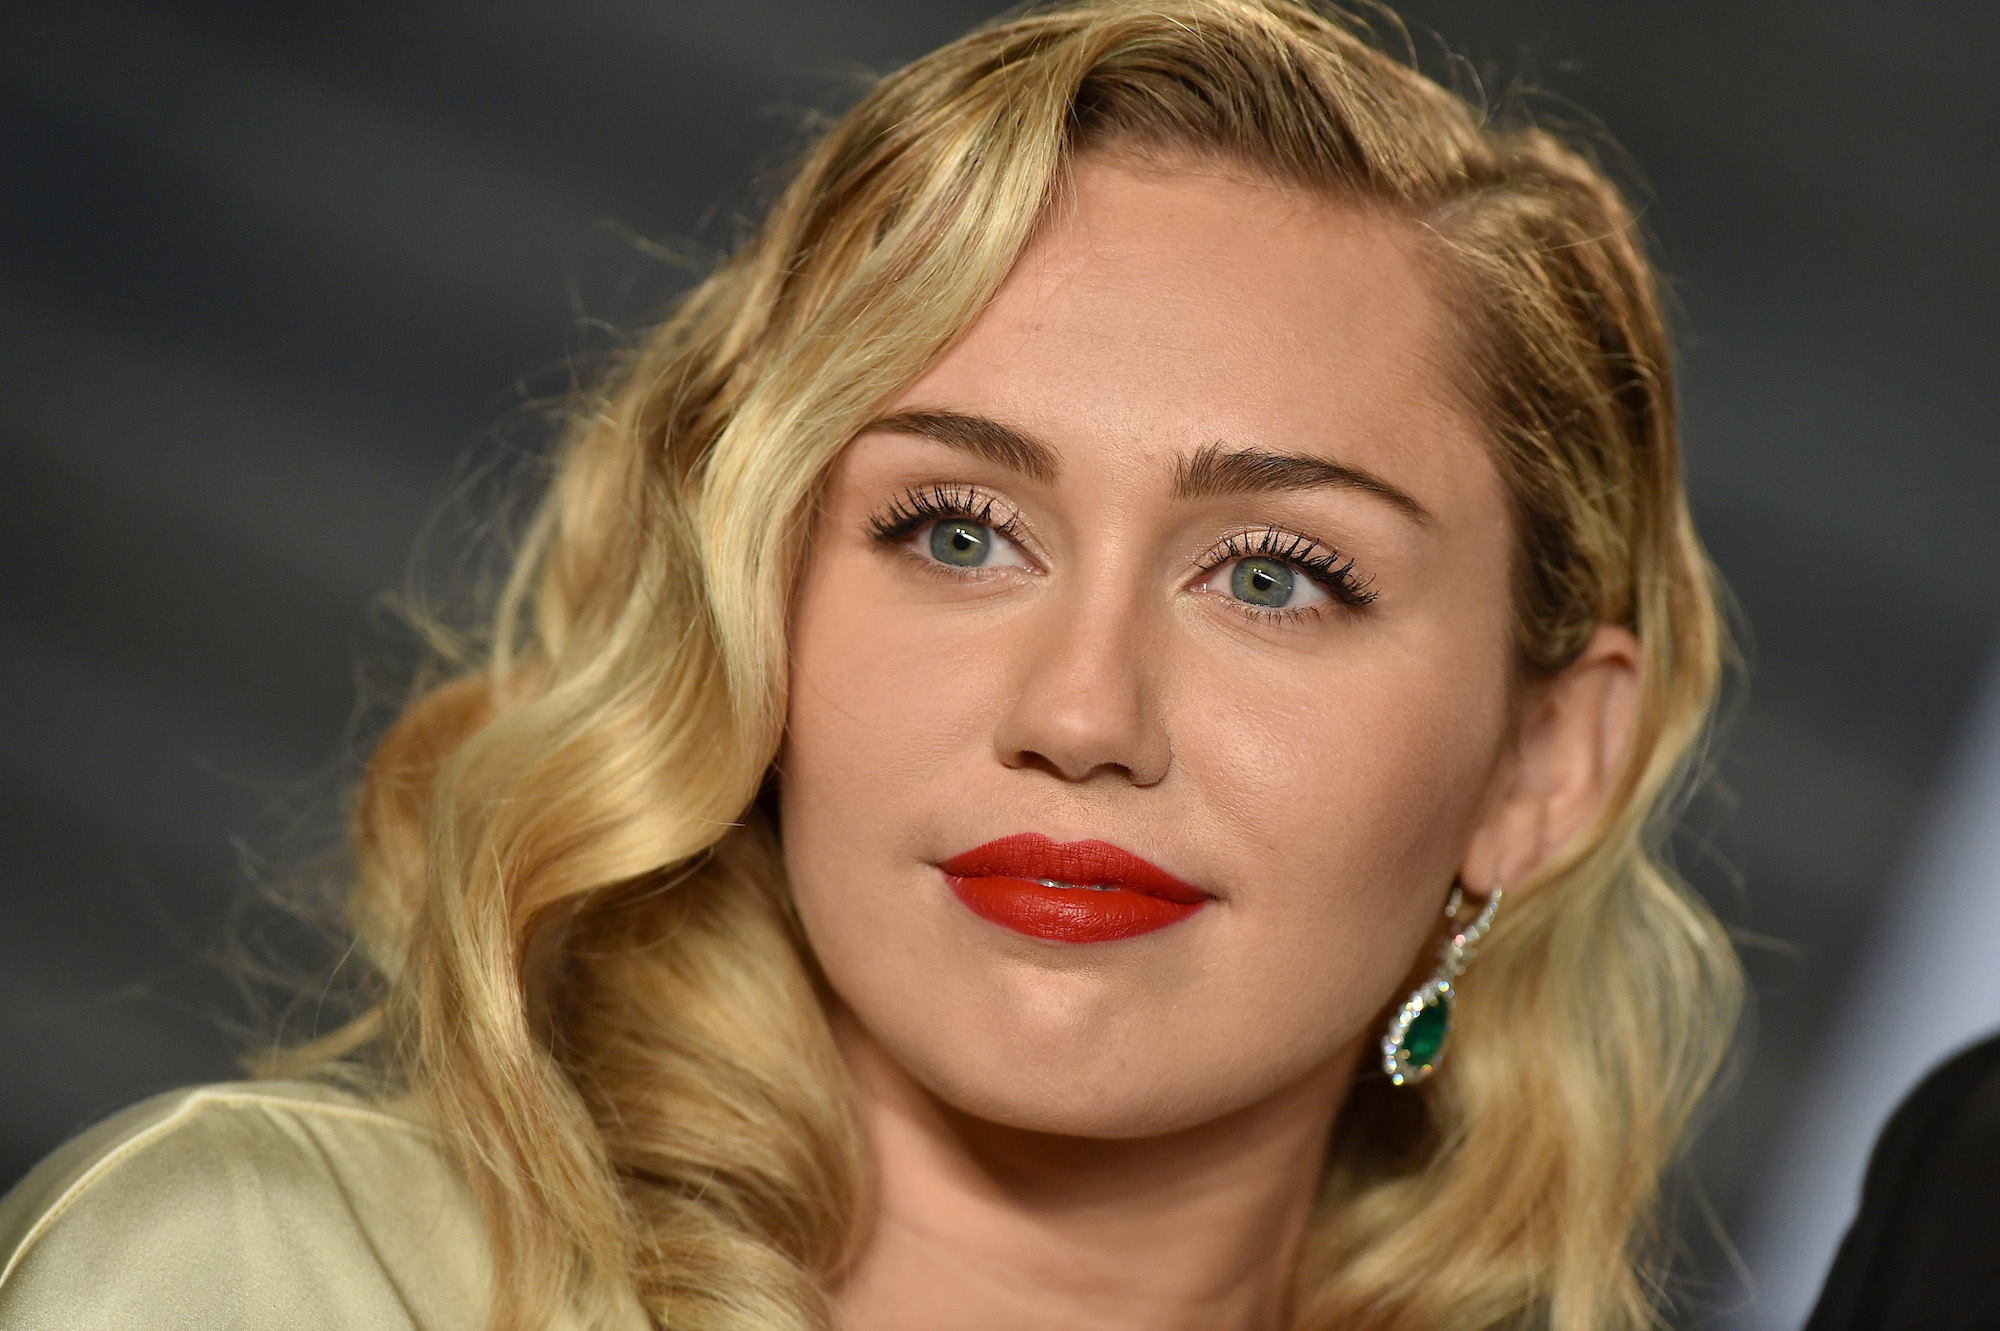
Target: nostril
1072 772
1084 709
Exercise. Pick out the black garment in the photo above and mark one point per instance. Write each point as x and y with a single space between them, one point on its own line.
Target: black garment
1924 1251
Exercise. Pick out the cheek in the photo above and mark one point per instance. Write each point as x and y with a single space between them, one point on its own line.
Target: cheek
1347 794
1341 799
888 717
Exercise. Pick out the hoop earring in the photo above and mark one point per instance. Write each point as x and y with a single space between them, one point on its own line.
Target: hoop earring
1414 1044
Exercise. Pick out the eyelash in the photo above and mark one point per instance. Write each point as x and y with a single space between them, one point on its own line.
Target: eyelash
1329 568
913 508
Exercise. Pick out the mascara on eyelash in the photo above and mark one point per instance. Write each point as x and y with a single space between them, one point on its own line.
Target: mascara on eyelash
918 505
1331 570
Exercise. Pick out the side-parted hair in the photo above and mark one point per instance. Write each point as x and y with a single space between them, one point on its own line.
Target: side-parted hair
567 878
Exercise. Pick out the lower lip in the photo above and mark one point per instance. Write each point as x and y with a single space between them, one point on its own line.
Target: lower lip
1067 914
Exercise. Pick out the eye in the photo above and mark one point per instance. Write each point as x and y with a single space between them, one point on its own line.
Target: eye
969 543
1276 572
962 542
1266 583
952 526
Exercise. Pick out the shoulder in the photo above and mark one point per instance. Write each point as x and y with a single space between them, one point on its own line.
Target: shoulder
245 1205
1920 1250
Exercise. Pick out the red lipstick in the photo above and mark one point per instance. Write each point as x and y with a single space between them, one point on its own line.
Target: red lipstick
1069 891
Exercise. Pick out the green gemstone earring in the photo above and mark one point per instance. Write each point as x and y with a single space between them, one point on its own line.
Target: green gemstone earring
1414 1044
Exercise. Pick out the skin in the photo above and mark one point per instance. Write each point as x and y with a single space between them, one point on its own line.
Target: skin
1128 1134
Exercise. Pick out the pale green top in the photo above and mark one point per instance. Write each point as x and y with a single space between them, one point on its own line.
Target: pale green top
249 1205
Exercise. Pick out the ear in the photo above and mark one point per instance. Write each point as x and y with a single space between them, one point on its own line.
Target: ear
1574 734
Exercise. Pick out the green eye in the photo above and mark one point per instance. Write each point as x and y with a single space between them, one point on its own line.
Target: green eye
960 542
1265 582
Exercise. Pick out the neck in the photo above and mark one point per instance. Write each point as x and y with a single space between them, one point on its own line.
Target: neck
980 1226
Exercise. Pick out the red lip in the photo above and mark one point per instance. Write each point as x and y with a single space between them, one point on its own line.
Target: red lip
1105 893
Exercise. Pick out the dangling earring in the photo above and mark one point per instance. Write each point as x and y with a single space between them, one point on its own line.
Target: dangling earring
1414 1045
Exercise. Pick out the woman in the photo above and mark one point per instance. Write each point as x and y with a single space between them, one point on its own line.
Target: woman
1020 705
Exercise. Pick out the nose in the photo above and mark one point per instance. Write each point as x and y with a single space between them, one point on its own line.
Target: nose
1087 700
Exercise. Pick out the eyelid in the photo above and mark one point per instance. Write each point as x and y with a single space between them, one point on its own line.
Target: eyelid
917 505
1329 569
1310 600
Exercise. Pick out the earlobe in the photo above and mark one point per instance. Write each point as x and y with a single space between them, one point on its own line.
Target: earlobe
1569 756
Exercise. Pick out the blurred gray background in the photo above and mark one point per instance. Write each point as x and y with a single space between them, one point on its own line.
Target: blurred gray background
275 280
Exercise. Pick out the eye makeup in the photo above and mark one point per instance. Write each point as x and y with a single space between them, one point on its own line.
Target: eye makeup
931 503
1275 549
1331 570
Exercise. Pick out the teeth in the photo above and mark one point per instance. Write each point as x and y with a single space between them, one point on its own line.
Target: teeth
1086 887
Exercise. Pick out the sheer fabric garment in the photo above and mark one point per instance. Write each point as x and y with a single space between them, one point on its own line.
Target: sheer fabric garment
252 1205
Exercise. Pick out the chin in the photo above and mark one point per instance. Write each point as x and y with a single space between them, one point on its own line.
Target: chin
1052 1064
1083 1098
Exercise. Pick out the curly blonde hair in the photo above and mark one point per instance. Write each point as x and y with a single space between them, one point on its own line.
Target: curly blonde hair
568 879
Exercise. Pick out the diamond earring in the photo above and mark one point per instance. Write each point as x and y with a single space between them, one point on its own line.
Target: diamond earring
1414 1044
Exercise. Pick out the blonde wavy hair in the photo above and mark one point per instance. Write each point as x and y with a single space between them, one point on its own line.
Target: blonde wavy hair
594 983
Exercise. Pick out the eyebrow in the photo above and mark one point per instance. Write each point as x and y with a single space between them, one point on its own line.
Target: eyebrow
1209 472
1214 471
979 436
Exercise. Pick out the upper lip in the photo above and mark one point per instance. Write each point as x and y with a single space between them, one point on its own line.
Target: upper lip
1077 863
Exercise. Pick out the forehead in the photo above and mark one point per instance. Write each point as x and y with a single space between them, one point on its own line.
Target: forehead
1165 308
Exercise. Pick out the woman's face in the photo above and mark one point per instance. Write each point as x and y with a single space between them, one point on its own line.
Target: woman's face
1187 548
